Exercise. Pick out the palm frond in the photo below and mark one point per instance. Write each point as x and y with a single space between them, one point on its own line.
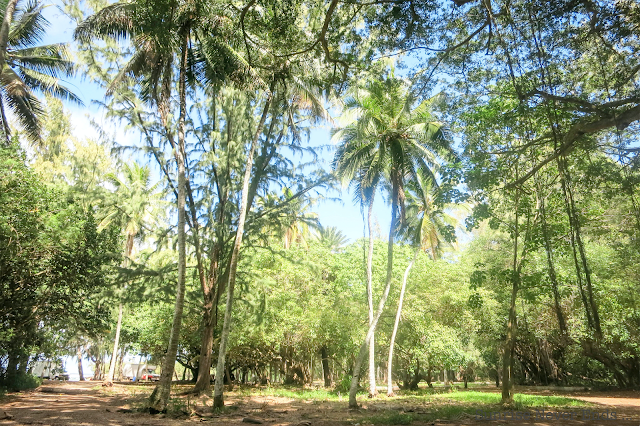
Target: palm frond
28 26
48 85
114 21
24 105
53 59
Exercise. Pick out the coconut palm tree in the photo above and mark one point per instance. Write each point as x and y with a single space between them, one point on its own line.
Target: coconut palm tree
391 139
429 227
332 238
160 34
132 207
27 67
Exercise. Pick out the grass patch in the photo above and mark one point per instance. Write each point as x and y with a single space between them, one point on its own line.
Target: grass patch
296 393
521 401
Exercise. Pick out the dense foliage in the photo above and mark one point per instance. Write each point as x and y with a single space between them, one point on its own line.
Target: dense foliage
518 119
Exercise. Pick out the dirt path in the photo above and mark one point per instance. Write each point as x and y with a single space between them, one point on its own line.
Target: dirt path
86 403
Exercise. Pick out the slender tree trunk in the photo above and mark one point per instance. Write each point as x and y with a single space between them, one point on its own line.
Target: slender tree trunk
4 42
218 397
326 372
79 356
353 403
395 327
128 249
372 348
578 239
112 363
568 197
160 395
507 359
550 266
4 29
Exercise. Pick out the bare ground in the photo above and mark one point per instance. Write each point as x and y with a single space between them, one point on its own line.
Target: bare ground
87 403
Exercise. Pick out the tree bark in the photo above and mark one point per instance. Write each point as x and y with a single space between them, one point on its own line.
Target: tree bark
507 358
326 373
591 308
218 397
395 327
353 403
160 395
112 363
372 348
4 30
79 356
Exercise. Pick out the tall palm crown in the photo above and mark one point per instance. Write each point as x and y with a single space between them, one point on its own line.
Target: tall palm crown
388 139
134 203
158 31
429 226
28 68
332 238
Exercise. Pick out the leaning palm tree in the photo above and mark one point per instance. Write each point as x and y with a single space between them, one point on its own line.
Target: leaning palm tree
351 164
132 208
389 134
429 227
27 68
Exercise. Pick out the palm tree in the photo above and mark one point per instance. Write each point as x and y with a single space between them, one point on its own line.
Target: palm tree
364 177
429 227
389 137
299 220
332 238
26 68
132 208
158 32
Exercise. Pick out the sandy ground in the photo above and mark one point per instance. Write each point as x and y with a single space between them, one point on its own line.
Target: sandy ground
86 403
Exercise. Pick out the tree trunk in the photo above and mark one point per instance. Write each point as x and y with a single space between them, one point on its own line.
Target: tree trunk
79 356
372 348
326 373
4 42
203 382
566 190
507 359
583 256
395 327
353 403
4 29
112 363
218 398
12 369
160 395
550 266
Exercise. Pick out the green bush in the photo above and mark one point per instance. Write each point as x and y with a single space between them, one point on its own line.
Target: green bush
344 385
23 381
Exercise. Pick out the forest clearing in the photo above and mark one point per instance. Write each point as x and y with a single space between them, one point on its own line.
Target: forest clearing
304 212
78 403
